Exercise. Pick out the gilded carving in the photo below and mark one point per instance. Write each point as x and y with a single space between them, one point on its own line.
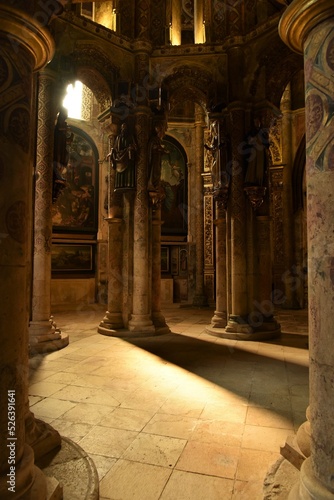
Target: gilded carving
330 54
208 231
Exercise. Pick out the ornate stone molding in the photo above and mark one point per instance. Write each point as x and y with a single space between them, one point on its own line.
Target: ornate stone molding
24 31
300 18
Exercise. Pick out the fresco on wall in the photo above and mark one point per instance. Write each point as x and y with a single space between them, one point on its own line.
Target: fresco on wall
174 211
75 209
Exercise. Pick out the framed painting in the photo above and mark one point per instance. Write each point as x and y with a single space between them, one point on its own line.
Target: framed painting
164 259
72 258
75 210
174 182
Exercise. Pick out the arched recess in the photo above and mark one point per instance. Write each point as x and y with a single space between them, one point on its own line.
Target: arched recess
94 68
174 182
192 83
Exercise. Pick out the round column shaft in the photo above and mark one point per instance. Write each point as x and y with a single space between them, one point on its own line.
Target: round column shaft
308 27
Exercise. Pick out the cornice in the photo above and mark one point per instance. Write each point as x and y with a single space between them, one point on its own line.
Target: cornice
96 29
24 31
300 17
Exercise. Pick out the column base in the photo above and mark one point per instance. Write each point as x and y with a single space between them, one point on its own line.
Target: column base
309 487
26 481
238 328
44 337
40 436
219 320
141 323
159 322
111 321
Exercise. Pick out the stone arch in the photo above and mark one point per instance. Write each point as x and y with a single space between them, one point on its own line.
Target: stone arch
94 68
278 64
191 83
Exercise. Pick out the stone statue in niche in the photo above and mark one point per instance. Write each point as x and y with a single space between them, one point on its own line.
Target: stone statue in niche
122 157
155 151
256 150
62 140
217 145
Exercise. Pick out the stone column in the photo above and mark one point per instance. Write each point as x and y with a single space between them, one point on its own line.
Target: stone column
219 319
44 336
264 303
288 216
25 46
308 27
157 317
141 312
237 321
113 319
200 298
141 316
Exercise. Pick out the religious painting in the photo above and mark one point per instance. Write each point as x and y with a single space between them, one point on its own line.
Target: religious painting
174 183
72 258
75 210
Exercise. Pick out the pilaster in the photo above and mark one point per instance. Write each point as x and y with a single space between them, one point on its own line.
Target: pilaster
200 298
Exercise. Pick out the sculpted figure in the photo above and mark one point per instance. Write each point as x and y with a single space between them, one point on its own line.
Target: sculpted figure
155 151
122 156
257 141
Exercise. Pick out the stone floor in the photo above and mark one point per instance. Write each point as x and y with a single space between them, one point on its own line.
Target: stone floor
184 415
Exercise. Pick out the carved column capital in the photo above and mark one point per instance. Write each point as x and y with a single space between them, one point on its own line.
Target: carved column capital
300 17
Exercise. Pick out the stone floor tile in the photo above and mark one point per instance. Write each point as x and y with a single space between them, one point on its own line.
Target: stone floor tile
177 426
107 441
134 481
51 408
266 417
189 486
72 430
219 432
87 413
264 438
211 459
155 450
253 464
125 418
247 490
187 407
103 464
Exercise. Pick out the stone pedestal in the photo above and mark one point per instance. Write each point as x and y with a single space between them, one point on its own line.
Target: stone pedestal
308 27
